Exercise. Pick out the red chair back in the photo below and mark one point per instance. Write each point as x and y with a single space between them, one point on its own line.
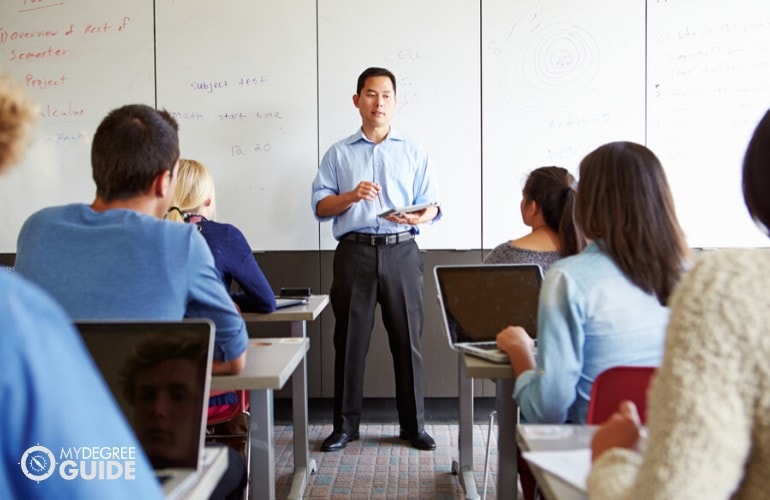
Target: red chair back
617 384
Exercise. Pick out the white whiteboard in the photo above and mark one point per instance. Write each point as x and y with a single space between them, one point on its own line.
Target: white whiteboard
432 48
240 78
709 84
492 89
78 59
560 78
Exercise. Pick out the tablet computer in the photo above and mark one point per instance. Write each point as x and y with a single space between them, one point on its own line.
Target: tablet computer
406 210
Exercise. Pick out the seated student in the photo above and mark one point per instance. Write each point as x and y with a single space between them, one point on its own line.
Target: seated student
606 305
194 201
547 206
708 412
43 363
116 258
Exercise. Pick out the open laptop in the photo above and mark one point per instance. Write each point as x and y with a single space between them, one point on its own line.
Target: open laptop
477 301
143 363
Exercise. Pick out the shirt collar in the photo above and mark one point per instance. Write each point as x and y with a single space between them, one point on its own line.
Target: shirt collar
393 135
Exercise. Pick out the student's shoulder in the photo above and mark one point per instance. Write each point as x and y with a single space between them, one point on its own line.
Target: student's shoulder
584 269
220 227
28 310
739 272
58 212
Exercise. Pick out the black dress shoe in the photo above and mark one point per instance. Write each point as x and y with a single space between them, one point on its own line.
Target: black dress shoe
338 440
421 440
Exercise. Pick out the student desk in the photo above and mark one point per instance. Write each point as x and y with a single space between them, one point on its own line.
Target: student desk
538 437
297 317
507 415
269 364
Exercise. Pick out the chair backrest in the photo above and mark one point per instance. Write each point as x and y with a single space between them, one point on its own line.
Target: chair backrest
617 384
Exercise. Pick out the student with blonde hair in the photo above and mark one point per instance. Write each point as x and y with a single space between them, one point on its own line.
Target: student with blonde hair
194 202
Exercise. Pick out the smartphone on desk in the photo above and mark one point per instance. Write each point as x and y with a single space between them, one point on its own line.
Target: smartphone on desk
295 292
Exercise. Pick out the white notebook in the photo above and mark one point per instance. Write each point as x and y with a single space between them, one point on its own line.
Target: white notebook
571 466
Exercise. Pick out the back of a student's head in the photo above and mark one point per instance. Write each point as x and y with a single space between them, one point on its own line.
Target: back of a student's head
553 189
131 147
194 186
756 174
18 116
624 203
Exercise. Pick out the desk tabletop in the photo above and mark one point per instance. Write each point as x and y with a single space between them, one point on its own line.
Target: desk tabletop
476 367
269 364
302 312
554 438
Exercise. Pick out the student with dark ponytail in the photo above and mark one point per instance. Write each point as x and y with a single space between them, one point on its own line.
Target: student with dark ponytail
547 206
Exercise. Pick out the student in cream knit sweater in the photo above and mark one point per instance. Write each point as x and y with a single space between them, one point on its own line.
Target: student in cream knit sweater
709 403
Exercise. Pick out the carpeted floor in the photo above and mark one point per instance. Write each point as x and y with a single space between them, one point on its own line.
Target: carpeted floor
382 466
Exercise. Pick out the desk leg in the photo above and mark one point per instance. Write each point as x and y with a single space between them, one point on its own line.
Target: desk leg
262 447
465 434
303 466
507 416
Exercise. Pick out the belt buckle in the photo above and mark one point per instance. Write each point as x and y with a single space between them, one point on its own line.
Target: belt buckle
373 240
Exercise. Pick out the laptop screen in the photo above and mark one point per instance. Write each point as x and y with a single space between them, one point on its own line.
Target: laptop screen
159 374
478 301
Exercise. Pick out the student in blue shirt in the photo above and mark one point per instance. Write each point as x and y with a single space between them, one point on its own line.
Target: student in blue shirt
194 201
116 258
44 363
607 305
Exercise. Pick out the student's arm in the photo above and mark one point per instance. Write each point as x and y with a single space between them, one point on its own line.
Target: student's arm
257 294
229 367
546 393
519 346
209 299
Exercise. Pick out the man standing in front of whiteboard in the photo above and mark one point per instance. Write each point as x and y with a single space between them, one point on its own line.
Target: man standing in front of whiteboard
377 258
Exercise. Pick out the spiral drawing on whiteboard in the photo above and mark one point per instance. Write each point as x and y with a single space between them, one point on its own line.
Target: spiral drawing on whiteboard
552 58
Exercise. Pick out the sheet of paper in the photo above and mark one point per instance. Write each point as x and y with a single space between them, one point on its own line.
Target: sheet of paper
571 466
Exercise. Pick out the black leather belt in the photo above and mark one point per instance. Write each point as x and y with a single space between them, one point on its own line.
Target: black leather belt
379 239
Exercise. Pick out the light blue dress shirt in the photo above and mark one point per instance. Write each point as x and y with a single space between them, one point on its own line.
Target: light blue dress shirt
590 318
399 165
